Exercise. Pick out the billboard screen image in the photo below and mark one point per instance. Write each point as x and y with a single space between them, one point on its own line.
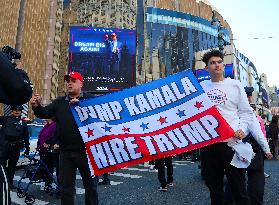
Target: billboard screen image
105 57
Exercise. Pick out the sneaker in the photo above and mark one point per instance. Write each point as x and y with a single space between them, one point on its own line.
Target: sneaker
151 166
170 184
266 175
161 188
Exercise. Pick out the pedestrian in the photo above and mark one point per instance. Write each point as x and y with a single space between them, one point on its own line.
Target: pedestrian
48 147
160 165
255 171
16 89
72 148
229 97
274 132
16 135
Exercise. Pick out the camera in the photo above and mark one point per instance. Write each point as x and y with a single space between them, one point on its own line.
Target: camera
11 53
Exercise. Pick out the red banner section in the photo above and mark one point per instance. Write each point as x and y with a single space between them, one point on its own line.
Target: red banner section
113 152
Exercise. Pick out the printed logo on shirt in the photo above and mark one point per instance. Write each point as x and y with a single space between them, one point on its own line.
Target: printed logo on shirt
217 96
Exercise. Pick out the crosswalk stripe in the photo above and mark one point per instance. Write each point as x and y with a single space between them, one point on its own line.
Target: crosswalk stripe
179 164
139 169
126 175
20 201
184 162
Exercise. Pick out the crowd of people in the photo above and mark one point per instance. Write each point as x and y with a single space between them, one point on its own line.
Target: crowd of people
61 134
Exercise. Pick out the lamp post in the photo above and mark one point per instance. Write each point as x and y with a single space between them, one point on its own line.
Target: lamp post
260 95
221 35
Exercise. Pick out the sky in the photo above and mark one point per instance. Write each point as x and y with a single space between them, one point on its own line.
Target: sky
250 19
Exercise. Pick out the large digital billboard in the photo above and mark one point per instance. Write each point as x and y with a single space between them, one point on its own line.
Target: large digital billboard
106 57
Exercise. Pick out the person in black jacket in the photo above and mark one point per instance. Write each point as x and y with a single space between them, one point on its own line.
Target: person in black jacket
16 135
72 148
15 88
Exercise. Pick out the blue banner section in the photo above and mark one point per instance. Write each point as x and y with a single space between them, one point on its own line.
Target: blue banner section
134 103
203 74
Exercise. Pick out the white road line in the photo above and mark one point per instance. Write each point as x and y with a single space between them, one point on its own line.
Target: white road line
179 164
184 162
138 169
20 201
118 174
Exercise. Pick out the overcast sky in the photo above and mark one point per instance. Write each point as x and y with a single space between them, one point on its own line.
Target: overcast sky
250 19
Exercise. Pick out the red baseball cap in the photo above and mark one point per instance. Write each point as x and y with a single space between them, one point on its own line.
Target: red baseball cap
74 75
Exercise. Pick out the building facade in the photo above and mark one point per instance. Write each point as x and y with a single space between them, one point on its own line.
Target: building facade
172 35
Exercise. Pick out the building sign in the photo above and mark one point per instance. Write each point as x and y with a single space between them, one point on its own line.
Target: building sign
163 16
105 56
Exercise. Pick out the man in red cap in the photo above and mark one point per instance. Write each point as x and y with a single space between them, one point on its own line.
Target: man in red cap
72 148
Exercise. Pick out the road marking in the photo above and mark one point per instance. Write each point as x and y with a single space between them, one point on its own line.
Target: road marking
184 162
118 174
139 169
20 201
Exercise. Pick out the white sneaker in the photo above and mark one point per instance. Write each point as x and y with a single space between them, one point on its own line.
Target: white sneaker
151 166
266 175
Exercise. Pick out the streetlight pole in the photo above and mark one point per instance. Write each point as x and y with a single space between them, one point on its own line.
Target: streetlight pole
216 22
261 95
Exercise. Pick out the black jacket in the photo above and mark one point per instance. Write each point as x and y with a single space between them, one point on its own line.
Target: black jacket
14 131
69 136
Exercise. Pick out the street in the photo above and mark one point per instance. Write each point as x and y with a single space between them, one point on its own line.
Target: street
138 185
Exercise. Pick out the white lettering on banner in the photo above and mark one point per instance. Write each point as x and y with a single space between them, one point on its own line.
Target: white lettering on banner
130 103
105 112
82 113
188 86
131 148
163 143
116 151
158 97
178 141
155 98
178 94
143 104
118 148
168 94
138 104
99 155
210 124
110 156
149 144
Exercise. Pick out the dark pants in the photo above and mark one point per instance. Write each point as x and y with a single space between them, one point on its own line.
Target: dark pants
69 162
160 165
12 159
106 177
51 159
216 160
4 188
256 178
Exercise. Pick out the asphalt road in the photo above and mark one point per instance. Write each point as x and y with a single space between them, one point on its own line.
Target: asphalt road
138 185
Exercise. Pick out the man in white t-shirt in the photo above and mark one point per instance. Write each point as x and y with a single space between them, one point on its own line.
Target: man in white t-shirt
230 99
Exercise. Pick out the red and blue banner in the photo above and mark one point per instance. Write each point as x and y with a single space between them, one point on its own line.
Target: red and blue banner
165 117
